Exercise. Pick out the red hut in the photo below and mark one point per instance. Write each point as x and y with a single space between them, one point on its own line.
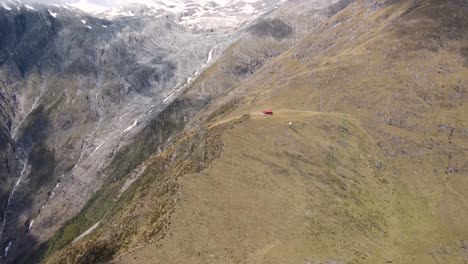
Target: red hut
267 112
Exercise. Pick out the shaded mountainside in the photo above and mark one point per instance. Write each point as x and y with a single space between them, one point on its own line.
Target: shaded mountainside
238 63
372 168
86 100
75 90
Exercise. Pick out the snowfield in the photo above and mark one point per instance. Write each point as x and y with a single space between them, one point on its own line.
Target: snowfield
194 15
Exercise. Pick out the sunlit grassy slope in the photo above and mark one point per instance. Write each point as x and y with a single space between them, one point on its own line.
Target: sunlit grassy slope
372 170
282 194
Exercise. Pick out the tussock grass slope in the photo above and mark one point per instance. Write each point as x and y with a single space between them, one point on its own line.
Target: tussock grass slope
282 194
373 169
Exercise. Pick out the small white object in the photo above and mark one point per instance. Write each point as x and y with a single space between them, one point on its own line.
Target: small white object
290 124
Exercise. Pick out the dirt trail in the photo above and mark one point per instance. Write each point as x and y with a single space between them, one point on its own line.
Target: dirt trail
276 114
253 205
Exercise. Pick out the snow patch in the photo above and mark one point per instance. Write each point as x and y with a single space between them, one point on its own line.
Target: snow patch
194 75
193 14
23 172
29 7
168 97
88 6
96 149
132 126
83 21
79 160
31 225
5 6
52 13
210 56
8 248
248 9
66 7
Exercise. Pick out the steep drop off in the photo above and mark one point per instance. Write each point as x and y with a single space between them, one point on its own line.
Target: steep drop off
364 160
373 168
77 91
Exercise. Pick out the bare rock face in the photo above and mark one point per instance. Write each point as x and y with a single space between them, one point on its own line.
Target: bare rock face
81 90
84 100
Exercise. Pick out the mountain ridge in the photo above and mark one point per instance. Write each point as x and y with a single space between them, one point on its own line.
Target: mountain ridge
361 162
80 88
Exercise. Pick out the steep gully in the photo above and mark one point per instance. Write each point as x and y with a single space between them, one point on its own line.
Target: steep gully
10 244
23 171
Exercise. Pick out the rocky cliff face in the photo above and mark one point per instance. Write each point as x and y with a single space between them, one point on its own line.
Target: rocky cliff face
78 90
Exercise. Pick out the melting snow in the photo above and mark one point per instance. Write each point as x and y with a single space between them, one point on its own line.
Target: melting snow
78 162
96 149
5 6
210 57
11 197
66 7
29 7
88 6
8 248
167 98
208 60
193 14
104 26
248 9
89 27
132 126
52 13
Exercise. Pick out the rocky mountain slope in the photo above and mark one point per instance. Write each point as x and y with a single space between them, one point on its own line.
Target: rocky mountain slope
363 161
77 90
